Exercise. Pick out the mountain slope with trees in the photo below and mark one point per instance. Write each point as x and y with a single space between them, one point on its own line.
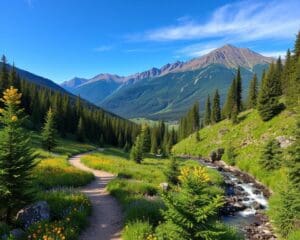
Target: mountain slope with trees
166 92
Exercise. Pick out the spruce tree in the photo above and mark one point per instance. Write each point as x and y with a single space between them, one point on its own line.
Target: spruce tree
16 156
230 103
80 134
49 132
173 172
146 138
294 161
216 109
271 155
154 144
239 90
195 116
136 153
297 48
207 111
3 74
253 92
192 211
268 102
293 94
287 73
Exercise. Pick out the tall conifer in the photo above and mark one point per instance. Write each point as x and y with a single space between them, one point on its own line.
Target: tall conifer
252 93
49 133
207 111
16 155
216 109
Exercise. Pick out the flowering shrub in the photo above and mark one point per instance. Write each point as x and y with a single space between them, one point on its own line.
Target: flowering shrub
69 211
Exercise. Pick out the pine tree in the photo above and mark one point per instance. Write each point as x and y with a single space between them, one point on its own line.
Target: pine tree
3 74
195 116
297 48
293 96
268 103
136 153
154 144
271 154
216 109
80 134
16 155
253 92
49 132
294 161
146 138
277 77
287 73
173 172
192 211
207 111
230 103
239 90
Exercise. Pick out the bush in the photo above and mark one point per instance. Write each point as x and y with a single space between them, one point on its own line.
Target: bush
137 230
231 155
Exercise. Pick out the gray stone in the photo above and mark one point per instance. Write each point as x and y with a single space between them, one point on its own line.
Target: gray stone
164 186
31 214
285 141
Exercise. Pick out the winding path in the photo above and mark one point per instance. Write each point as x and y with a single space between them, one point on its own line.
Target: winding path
106 218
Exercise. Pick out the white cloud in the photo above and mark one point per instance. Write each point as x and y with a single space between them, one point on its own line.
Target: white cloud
103 48
242 21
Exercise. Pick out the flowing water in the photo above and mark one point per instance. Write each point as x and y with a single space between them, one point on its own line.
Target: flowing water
246 196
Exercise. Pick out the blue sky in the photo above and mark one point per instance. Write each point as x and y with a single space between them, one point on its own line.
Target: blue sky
60 39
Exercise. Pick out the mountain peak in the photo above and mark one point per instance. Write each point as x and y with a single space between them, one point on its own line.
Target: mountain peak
230 56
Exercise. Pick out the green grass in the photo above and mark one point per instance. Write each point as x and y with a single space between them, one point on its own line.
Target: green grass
54 170
137 187
69 209
247 138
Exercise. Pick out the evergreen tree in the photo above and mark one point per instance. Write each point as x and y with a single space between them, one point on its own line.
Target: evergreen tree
239 89
80 134
216 109
146 138
271 154
294 161
297 48
287 73
277 77
192 211
173 172
195 116
49 133
3 74
253 92
293 94
136 153
207 111
230 103
16 155
154 145
268 103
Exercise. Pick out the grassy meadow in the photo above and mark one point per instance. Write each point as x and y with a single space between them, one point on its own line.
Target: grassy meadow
137 188
248 138
54 179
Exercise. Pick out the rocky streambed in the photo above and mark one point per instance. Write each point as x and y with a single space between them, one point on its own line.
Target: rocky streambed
246 202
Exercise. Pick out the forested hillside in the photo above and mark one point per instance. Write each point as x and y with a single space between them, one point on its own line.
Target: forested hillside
259 135
74 116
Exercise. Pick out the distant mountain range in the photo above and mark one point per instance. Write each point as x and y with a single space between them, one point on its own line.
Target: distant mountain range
167 92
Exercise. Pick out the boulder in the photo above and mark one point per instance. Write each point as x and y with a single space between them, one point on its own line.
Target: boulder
285 141
33 213
164 186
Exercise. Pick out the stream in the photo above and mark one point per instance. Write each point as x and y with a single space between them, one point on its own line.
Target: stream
246 202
